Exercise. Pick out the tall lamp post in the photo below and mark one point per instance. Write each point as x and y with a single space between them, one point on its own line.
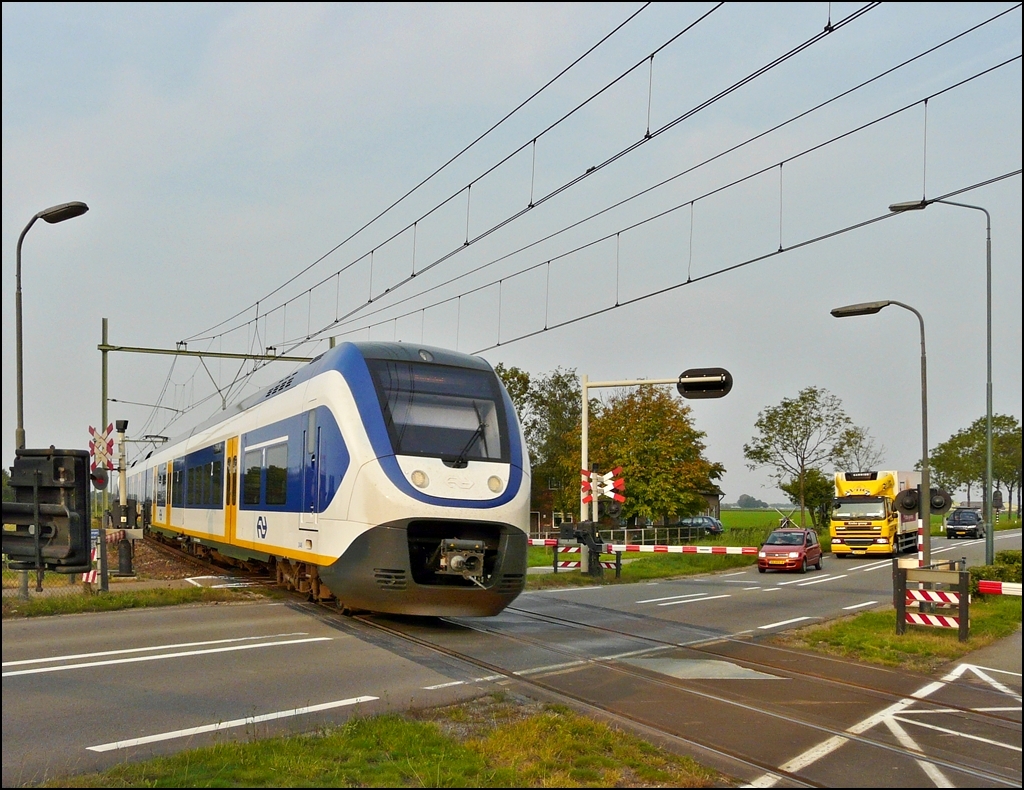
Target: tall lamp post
52 215
917 205
924 505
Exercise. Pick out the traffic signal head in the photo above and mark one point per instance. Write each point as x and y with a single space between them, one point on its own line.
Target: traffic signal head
907 502
704 383
99 477
940 501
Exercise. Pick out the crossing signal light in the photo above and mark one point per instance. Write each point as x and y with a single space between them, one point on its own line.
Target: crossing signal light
909 502
704 383
940 501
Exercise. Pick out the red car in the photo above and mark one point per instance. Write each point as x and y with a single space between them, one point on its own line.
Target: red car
789 549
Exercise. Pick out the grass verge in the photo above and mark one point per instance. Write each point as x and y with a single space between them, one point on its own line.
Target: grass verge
871 636
497 741
658 566
134 599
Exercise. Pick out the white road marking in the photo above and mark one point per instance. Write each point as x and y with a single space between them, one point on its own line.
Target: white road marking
785 622
727 575
772 589
77 656
821 579
670 598
859 605
931 771
223 725
875 566
695 600
136 659
957 733
751 588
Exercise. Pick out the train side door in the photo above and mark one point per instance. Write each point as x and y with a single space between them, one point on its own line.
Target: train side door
161 495
231 490
310 471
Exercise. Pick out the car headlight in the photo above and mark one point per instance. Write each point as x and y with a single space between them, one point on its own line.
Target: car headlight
794 554
761 554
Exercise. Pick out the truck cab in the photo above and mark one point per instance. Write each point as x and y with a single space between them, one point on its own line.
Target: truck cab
864 518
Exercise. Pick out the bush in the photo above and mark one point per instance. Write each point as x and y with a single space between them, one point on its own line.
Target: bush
1008 557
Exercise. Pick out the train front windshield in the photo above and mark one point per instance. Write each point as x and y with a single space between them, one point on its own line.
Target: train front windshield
456 414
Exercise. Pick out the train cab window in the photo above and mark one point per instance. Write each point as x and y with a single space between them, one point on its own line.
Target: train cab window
253 471
457 414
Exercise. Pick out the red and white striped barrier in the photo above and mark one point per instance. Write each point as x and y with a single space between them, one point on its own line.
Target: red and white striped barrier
611 548
938 620
542 542
999 588
933 596
91 575
578 564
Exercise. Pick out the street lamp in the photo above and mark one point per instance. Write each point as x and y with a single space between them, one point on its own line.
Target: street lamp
53 215
924 505
917 205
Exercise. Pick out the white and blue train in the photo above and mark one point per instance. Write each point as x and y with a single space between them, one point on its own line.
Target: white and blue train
384 476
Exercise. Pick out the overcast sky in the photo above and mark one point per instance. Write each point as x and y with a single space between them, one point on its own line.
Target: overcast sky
234 154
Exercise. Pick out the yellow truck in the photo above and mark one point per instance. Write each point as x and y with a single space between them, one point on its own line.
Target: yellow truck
864 520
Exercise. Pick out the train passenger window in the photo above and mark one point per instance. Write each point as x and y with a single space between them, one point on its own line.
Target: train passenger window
216 497
277 474
161 486
178 485
253 469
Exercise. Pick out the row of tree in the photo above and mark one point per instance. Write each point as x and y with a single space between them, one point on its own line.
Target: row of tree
803 436
646 430
959 462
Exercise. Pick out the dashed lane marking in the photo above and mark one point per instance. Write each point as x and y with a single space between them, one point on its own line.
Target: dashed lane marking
786 622
859 605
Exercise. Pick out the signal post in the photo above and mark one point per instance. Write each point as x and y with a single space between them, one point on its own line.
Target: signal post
692 383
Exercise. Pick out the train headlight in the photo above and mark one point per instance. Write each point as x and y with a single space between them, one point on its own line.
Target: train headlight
419 479
494 483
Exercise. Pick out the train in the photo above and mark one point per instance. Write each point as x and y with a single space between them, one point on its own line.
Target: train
380 477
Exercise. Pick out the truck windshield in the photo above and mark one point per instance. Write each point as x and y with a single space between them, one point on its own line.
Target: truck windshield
859 510
456 414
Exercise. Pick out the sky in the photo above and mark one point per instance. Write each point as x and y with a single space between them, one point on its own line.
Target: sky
271 175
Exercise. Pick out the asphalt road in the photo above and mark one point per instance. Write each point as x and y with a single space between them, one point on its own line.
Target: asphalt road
86 691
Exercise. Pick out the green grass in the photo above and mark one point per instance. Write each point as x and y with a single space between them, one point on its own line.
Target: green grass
871 636
135 599
645 567
496 741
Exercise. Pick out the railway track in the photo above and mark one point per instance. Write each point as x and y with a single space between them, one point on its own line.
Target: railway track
549 681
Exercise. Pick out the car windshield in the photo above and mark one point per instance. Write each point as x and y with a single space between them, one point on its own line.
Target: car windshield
965 517
785 539
859 510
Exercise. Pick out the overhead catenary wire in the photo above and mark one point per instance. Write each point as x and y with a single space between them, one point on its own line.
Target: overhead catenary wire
444 166
690 202
422 310
592 170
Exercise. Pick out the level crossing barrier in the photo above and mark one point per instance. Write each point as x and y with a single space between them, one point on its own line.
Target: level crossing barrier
999 588
928 606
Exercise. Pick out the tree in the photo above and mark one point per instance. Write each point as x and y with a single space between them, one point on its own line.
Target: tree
859 453
959 462
517 384
553 436
799 434
650 433
819 493
746 501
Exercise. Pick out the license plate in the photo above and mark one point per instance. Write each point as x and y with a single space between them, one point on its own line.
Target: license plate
961 532
776 562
